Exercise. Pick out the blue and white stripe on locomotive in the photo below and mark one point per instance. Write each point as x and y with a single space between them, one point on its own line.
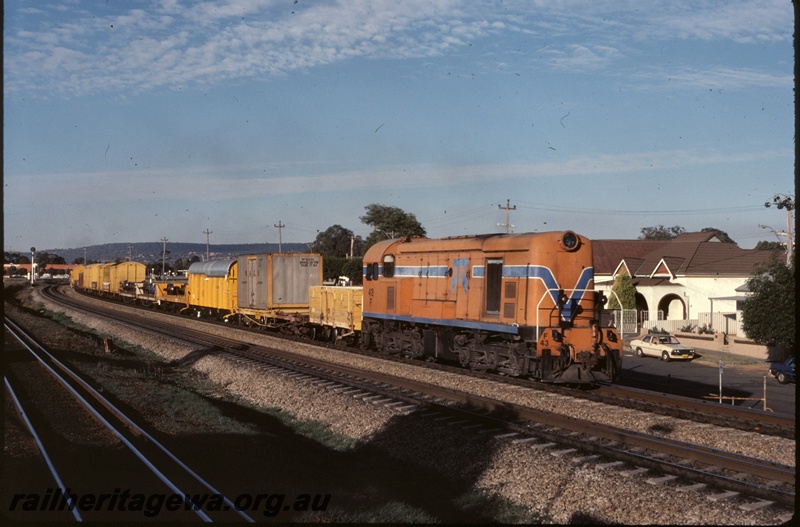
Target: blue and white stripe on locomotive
459 276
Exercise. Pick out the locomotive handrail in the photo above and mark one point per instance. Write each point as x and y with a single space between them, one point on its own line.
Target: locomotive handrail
550 293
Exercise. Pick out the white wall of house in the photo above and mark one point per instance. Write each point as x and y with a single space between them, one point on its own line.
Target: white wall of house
688 300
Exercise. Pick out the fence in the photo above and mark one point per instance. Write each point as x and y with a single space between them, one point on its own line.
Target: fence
727 323
623 319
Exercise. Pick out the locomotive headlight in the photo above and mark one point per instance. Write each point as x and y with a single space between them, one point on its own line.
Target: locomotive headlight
569 241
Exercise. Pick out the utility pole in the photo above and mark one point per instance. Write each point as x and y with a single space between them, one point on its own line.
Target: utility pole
164 257
130 247
785 201
507 209
280 226
207 233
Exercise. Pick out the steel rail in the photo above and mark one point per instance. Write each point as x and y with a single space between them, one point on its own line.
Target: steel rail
705 455
675 406
40 445
504 411
24 339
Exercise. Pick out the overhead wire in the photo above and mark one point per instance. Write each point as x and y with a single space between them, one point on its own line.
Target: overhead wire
628 212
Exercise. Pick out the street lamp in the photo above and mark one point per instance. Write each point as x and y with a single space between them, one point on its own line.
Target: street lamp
785 201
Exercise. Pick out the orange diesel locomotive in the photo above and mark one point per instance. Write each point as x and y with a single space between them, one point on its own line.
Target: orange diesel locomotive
521 304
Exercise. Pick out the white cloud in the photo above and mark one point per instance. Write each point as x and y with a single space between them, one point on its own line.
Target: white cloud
717 78
236 182
88 50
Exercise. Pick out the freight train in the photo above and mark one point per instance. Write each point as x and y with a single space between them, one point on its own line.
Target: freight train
519 304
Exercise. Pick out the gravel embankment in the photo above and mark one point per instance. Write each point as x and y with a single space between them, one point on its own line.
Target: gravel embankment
557 486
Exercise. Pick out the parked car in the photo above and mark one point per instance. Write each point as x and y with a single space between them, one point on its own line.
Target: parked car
783 371
666 347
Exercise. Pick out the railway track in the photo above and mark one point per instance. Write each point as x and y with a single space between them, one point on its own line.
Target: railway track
671 459
654 402
144 461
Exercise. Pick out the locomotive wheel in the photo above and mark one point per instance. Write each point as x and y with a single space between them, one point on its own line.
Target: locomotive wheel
464 357
512 365
416 350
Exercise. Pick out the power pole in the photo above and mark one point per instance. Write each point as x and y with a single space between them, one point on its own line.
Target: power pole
164 257
507 209
280 226
207 233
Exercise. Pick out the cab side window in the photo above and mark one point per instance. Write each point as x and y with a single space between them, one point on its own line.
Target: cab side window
388 266
371 271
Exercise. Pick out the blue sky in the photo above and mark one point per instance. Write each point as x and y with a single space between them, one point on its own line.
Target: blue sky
130 122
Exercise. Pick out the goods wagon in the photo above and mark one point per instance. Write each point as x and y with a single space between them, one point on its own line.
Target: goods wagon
76 275
97 277
337 310
124 277
273 289
521 304
211 287
168 293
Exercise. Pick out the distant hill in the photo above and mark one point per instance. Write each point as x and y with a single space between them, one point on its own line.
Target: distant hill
148 252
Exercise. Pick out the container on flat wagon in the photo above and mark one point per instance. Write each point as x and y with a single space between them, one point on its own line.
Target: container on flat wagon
277 281
338 307
212 284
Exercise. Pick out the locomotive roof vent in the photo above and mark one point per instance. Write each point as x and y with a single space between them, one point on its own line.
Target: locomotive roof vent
569 241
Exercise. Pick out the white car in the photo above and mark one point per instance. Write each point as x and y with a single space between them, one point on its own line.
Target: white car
666 347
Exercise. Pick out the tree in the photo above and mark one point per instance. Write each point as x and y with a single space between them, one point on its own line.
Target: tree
184 263
390 222
659 232
625 290
722 235
336 241
765 245
48 258
15 258
768 314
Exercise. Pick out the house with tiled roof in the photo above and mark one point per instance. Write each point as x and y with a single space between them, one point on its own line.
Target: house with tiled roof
694 279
